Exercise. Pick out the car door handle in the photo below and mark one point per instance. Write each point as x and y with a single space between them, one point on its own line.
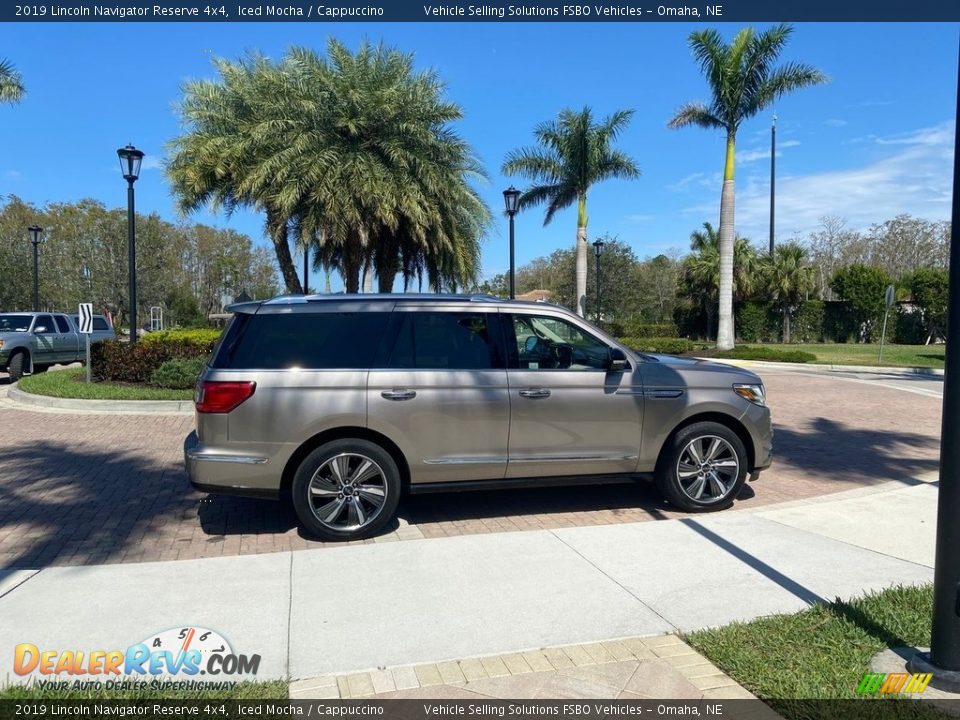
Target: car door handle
399 394
534 393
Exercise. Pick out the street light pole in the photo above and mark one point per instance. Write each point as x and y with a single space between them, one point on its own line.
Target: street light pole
944 657
35 232
511 199
598 249
130 159
773 175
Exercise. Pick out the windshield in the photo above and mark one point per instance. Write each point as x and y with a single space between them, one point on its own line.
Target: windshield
15 323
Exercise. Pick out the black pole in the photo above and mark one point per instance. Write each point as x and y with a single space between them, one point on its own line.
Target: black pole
945 641
773 175
306 268
598 289
132 248
36 277
512 286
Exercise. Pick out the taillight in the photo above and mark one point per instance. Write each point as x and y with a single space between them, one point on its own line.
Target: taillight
213 396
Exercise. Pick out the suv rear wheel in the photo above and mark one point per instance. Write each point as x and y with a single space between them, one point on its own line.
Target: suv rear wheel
346 490
702 467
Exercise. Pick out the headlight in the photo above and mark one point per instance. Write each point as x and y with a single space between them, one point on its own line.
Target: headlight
753 393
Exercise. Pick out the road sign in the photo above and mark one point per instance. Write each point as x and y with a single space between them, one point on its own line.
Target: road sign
889 297
86 318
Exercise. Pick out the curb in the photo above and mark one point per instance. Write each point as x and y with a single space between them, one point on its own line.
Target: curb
809 367
130 407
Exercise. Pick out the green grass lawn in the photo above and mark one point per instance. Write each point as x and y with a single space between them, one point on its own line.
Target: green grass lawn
822 652
72 384
925 356
274 690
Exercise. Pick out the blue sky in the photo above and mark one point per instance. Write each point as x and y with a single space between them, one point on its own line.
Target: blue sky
876 141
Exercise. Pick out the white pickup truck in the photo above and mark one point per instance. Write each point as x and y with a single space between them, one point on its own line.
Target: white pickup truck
30 342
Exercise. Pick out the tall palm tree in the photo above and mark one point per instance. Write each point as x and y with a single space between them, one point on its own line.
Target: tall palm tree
573 154
788 278
223 158
11 83
743 81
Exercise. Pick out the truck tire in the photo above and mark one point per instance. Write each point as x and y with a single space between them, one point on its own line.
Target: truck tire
15 366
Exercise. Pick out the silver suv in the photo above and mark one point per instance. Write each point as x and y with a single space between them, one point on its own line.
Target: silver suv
345 402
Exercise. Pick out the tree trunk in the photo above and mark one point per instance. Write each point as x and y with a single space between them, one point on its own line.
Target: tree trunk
582 257
277 229
350 266
725 329
709 310
786 323
368 278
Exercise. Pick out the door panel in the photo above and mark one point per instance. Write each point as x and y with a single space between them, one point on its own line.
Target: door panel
569 415
443 397
65 342
46 350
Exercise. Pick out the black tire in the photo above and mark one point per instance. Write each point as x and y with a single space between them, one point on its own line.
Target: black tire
336 490
696 487
15 366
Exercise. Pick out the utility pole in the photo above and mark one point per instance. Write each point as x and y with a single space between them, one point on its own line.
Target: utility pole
773 176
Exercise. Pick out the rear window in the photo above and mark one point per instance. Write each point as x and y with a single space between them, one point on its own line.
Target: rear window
100 324
62 324
311 341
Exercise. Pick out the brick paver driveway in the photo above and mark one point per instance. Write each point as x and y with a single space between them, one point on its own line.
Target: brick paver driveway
81 489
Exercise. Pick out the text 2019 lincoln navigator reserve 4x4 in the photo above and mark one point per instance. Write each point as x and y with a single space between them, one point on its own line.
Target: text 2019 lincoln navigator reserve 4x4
345 401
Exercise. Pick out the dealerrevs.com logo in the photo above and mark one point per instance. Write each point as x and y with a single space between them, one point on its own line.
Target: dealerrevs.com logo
179 657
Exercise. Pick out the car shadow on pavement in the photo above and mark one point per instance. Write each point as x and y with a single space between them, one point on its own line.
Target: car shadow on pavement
833 454
70 505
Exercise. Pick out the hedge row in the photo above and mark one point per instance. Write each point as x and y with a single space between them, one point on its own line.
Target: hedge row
745 352
668 345
121 362
632 329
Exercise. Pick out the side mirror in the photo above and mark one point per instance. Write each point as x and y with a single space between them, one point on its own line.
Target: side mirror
618 360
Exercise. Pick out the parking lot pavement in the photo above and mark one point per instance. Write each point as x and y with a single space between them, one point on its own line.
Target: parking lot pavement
89 489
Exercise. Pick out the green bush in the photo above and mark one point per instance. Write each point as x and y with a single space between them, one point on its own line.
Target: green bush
177 374
906 328
839 323
668 345
122 362
757 322
807 326
205 337
746 352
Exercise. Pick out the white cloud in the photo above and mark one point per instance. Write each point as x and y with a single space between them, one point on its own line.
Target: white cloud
748 156
916 179
835 122
150 162
640 218
12 175
697 179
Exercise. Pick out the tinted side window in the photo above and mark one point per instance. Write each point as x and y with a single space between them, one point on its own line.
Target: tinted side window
45 321
445 341
314 341
100 324
62 324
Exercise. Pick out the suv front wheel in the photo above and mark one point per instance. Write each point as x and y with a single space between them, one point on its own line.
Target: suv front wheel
702 467
346 490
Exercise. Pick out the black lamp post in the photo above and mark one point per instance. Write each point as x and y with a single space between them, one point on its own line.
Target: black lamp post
511 199
598 249
35 232
773 176
130 159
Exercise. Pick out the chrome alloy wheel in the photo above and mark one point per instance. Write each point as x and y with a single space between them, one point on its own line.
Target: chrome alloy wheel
708 469
347 492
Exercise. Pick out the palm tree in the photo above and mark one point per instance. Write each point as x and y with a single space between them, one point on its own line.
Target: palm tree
743 81
11 83
701 270
788 278
224 157
573 154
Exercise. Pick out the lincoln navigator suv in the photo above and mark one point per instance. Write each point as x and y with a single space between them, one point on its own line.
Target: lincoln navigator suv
342 403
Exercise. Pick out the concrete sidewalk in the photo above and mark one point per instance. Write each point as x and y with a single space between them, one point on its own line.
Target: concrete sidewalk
363 608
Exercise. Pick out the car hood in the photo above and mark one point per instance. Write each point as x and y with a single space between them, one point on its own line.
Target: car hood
686 366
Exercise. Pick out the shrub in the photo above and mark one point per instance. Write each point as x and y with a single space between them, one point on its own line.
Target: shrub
177 374
204 337
808 322
756 322
839 323
669 345
122 362
745 352
863 287
906 328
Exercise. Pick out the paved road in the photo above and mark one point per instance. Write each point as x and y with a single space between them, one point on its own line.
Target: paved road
88 489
